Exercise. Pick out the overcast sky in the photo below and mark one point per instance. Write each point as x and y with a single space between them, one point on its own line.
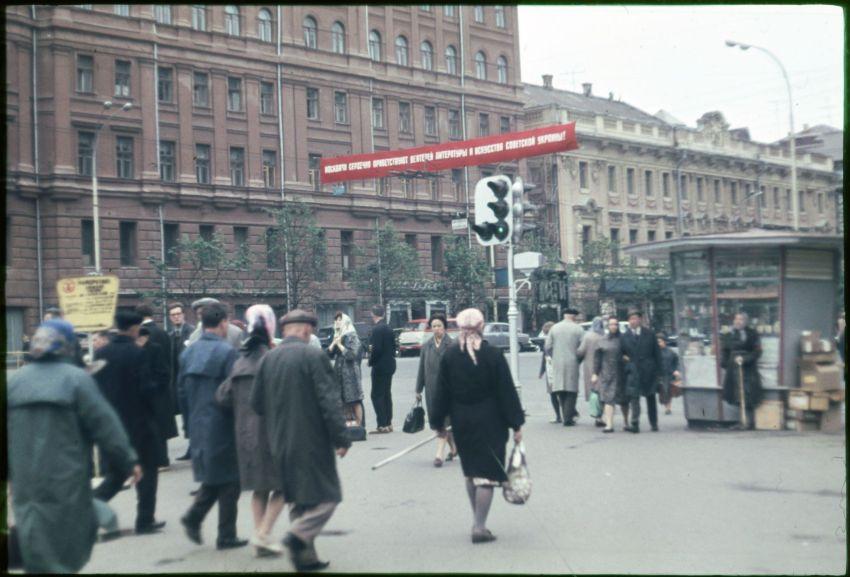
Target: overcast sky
675 58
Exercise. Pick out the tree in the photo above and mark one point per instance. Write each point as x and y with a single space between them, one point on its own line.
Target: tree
388 265
465 274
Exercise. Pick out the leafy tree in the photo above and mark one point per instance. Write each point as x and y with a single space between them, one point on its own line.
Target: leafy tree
465 274
387 266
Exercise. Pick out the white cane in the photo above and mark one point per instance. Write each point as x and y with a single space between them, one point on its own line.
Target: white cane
740 363
407 450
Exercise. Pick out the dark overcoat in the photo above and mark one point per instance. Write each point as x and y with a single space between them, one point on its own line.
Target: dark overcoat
747 344
669 364
482 403
162 403
54 414
382 350
296 393
429 368
645 354
347 368
212 441
178 338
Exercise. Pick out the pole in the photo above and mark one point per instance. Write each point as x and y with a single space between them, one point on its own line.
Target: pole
407 450
95 203
512 319
744 421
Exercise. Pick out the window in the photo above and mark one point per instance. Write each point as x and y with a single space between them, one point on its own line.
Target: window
718 198
449 10
434 188
647 183
427 55
454 124
310 29
264 25
266 98
410 239
665 184
733 193
199 17
166 161
127 241
234 94
612 178
480 66
502 69
231 20
430 121
586 236
121 9
122 78
633 236
237 166
615 249
314 163
401 50
162 13
86 241
274 250
85 73
202 163
478 12
436 254
405 125
313 103
582 174
377 113
407 187
668 234
85 153
84 6
483 124
165 84
338 38
500 16
375 46
124 156
340 107
346 245
700 191
200 89
650 236
240 240
451 60
801 200
504 124
630 181
788 199
269 162
776 198
425 7
171 238
383 186
762 194
683 183
207 234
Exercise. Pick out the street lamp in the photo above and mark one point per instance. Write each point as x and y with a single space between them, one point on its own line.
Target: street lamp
795 201
94 196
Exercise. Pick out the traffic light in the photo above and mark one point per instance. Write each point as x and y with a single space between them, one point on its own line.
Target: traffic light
521 207
493 203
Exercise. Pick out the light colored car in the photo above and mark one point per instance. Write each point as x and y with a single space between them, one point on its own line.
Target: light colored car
623 326
415 333
498 335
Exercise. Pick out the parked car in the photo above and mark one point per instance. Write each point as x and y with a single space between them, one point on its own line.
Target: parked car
498 335
415 333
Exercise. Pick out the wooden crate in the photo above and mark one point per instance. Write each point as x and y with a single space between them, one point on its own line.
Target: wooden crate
802 426
770 416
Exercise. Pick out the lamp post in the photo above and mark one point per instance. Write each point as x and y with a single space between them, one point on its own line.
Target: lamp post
94 196
795 201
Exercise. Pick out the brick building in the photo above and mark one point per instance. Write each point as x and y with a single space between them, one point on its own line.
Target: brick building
232 108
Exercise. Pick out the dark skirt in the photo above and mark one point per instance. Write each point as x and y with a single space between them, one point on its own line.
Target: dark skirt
480 434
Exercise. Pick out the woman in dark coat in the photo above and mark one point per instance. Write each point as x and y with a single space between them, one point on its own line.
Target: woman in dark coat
742 342
668 373
347 352
429 372
476 390
609 374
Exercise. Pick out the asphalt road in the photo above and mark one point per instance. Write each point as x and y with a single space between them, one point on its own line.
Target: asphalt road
672 502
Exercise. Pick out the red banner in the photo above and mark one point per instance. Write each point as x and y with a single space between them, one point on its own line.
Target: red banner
434 158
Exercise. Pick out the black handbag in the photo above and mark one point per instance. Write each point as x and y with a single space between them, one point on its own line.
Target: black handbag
415 420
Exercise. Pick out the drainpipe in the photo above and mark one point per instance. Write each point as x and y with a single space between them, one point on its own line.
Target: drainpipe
280 144
680 159
40 263
158 169
463 117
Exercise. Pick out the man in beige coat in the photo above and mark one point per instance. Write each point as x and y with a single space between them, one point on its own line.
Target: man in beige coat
562 343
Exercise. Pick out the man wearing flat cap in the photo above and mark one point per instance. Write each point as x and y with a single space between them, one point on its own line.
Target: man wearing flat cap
562 344
234 333
296 392
640 347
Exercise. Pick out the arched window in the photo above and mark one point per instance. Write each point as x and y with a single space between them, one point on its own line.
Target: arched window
375 45
502 69
451 60
338 38
480 66
401 50
310 28
264 25
427 55
231 20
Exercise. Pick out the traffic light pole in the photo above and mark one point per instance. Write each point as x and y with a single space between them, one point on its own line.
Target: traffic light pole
513 313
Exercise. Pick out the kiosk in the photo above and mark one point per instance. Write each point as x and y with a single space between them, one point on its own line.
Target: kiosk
786 282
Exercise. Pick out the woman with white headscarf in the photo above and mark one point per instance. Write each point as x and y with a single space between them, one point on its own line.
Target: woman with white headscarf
347 352
587 351
476 391
257 472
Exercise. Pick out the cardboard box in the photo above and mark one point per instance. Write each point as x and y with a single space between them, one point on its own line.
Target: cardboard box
810 342
799 400
770 416
821 378
802 426
831 421
794 415
819 402
836 396
807 361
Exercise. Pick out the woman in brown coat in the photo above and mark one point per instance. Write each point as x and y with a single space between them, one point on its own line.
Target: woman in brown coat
256 469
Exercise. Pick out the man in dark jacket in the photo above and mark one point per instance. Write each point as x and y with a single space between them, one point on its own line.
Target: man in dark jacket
126 383
382 361
297 394
742 344
179 334
203 367
641 348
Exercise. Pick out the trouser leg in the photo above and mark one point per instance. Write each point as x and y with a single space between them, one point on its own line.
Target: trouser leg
204 500
570 402
378 392
308 522
388 401
652 410
634 410
112 482
228 499
556 405
147 486
162 452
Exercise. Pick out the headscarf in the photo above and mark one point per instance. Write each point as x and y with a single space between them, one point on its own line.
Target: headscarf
471 325
598 325
343 326
260 318
54 338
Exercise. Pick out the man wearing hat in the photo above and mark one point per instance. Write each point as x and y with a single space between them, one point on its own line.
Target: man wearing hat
641 349
562 344
234 333
296 393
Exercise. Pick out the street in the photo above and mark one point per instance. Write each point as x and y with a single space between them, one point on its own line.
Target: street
676 501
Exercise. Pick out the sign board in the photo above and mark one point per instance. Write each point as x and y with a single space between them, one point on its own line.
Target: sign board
88 302
552 287
434 158
459 224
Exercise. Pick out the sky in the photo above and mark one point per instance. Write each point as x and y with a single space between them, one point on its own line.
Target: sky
676 59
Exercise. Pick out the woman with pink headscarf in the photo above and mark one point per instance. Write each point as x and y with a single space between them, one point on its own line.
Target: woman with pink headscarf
256 467
475 389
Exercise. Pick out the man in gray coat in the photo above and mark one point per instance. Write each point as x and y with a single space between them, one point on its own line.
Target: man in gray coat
296 392
562 343
233 333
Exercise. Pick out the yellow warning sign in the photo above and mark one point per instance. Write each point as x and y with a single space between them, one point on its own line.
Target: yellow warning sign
88 302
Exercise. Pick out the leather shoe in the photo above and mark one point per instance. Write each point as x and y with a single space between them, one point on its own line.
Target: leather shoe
147 528
303 556
483 537
193 532
633 429
230 543
655 428
569 423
